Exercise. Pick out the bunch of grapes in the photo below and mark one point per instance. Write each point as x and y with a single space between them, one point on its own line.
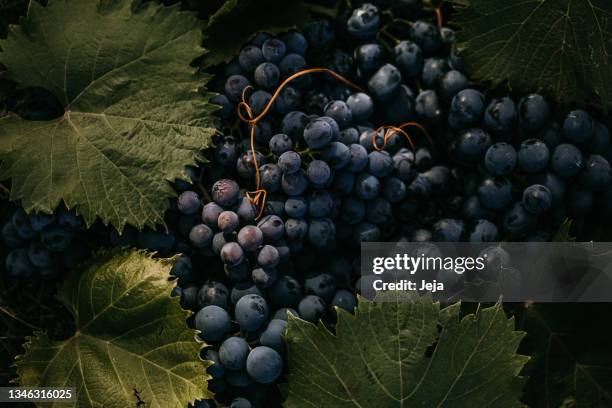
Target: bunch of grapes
42 245
340 135
398 146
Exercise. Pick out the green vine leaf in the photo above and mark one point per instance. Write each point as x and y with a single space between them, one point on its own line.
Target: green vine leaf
572 360
131 339
558 47
245 18
381 357
134 116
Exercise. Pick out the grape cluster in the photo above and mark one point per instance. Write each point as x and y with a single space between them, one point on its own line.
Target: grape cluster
42 245
339 166
396 145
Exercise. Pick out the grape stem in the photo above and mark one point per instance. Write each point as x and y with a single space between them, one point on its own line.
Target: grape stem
258 196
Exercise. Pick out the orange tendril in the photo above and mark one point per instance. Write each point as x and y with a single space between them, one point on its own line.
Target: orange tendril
439 17
259 195
389 131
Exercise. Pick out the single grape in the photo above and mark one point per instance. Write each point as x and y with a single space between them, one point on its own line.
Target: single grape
251 312
280 143
294 184
241 289
433 69
295 42
250 237
393 190
337 155
358 158
367 186
292 64
213 293
246 211
250 57
272 228
448 230
500 115
500 159
258 102
537 199
318 172
597 172
578 126
472 145
225 192
380 163
39 220
226 152
312 308
273 50
210 214
484 231
385 82
467 108
345 300
189 297
364 21
267 75
533 156
293 124
274 335
264 277
55 238
200 235
426 35
322 232
270 177
264 364
533 112
408 58
228 221
289 162
233 353
268 256
361 107
567 160
213 322
428 106
340 112
188 202
495 192
322 285
450 83
231 254
318 133
17 264
517 221
234 86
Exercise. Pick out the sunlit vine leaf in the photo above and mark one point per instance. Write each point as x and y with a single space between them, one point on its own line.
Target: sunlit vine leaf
131 339
381 358
133 114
